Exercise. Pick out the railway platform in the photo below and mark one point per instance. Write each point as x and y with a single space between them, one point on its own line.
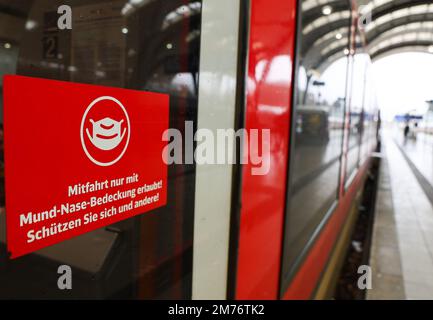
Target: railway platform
401 255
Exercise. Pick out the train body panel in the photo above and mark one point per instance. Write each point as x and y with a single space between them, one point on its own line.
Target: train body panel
271 47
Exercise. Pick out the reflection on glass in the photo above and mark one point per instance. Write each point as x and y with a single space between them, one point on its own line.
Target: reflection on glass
148 45
357 116
320 100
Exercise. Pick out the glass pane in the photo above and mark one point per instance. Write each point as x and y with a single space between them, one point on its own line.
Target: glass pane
149 45
320 99
357 116
368 112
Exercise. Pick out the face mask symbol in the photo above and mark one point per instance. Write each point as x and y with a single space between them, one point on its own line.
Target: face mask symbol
106 133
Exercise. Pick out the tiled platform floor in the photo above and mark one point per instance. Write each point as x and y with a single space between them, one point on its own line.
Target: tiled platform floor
402 249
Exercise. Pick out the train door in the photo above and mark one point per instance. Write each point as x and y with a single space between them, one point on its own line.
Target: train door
257 238
147 45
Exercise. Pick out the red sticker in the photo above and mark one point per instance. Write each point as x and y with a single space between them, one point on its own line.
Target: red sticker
78 157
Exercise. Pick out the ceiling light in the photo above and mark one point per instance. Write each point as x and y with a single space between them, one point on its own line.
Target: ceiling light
31 24
338 36
327 10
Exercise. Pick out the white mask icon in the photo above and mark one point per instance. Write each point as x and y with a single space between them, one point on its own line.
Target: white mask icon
106 133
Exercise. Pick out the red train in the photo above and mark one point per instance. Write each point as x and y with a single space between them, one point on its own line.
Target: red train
296 68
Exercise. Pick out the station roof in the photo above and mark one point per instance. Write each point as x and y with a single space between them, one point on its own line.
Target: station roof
395 26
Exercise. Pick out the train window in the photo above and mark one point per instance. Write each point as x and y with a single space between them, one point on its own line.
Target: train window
368 112
357 115
150 45
319 108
